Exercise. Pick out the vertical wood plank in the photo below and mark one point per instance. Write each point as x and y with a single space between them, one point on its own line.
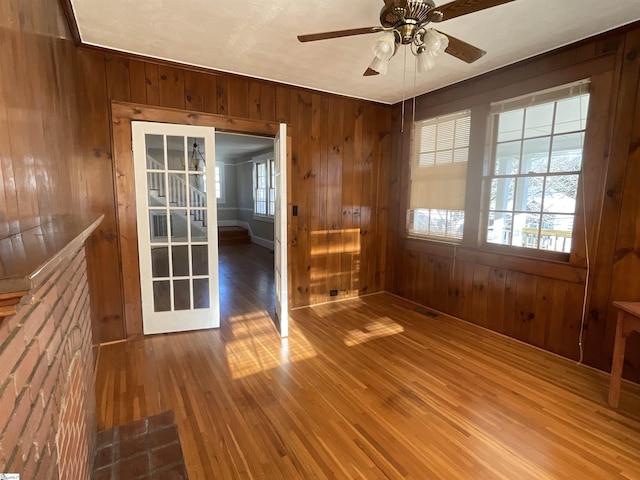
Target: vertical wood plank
153 83
365 201
267 102
283 105
194 91
222 95
542 312
238 90
117 69
171 87
253 99
102 247
525 306
496 295
138 81
210 94
302 103
480 297
556 317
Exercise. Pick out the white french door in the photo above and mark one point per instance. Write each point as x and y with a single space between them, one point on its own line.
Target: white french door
280 233
177 226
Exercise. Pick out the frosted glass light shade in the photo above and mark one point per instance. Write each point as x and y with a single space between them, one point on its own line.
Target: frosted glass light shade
383 49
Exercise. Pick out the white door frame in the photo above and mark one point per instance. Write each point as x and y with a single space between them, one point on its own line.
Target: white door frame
280 240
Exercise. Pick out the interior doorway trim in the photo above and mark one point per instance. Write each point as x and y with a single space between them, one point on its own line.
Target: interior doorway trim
122 114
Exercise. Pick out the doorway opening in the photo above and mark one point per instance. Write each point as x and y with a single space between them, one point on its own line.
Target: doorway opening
245 193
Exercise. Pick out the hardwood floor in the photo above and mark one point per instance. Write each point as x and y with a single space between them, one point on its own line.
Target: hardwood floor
368 388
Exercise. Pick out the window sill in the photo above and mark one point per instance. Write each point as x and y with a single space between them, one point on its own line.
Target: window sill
263 218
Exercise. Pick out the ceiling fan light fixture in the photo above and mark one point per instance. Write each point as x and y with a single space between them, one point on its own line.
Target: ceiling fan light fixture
383 50
435 42
425 61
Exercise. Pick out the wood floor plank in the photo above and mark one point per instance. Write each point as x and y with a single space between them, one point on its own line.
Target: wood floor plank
367 388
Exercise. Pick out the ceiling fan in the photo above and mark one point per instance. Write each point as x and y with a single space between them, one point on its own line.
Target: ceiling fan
404 22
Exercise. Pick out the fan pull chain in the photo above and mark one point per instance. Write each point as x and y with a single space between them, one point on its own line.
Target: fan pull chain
404 84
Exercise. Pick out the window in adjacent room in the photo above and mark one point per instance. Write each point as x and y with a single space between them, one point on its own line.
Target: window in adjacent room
264 186
439 155
219 173
536 160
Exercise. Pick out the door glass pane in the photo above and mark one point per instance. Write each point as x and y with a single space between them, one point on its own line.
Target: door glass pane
161 296
198 225
180 261
155 151
201 293
198 155
159 262
178 225
177 190
181 295
200 260
158 226
175 153
197 190
155 187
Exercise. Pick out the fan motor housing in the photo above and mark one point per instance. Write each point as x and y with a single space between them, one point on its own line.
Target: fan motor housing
394 16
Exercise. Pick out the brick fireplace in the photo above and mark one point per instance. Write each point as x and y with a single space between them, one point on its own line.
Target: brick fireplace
47 395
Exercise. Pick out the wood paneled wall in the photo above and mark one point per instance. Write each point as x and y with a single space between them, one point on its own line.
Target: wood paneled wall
39 120
541 302
338 173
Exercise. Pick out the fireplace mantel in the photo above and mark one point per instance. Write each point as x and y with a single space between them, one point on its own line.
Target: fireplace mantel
29 257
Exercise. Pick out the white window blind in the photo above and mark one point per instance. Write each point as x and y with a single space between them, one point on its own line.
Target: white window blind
439 154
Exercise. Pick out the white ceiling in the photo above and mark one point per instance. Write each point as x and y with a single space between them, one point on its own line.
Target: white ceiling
232 146
257 38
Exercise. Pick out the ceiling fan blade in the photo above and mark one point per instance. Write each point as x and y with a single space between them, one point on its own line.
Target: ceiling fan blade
338 33
369 72
463 50
458 8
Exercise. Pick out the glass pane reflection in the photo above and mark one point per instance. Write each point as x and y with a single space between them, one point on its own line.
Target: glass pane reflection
161 296
181 295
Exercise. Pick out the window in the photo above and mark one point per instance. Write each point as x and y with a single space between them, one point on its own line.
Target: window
439 154
219 173
536 160
264 186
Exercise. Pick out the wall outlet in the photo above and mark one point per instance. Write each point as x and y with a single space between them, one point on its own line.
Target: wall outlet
333 293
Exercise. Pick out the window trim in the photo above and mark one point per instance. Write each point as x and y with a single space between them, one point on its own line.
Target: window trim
221 166
415 152
267 159
476 201
539 97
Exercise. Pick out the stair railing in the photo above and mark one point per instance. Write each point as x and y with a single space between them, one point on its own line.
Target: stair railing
177 188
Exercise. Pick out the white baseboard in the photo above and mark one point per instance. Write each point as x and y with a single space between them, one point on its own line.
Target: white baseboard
228 223
263 242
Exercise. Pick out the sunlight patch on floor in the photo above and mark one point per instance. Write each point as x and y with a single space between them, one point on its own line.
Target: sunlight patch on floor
256 347
382 327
